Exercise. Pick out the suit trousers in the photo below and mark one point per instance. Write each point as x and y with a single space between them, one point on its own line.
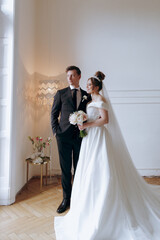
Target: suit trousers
69 149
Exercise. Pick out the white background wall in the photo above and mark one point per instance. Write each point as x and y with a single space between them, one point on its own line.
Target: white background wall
23 122
120 38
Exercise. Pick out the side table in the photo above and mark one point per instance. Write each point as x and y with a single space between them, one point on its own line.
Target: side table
46 160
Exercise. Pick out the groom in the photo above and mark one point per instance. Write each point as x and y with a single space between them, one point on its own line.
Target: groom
67 101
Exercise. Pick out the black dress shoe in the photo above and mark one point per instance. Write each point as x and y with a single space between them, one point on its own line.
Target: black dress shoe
65 204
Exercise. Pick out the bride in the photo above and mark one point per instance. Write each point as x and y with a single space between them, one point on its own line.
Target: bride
110 200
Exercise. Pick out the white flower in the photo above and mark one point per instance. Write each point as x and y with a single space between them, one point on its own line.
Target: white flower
73 118
84 98
80 112
80 119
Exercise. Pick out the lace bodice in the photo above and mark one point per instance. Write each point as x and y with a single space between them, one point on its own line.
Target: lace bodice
93 109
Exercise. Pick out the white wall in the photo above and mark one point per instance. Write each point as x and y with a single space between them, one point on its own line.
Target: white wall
121 38
23 122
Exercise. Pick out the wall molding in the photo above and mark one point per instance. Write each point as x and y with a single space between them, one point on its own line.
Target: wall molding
3 102
135 96
3 134
3 71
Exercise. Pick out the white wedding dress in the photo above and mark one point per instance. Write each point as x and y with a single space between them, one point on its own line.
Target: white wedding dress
110 200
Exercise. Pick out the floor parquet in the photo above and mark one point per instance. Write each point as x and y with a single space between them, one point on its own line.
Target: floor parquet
31 216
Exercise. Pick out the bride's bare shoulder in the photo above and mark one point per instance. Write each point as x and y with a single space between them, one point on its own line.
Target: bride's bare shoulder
100 98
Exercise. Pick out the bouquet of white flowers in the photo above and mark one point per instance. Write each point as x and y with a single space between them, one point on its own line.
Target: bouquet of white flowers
78 118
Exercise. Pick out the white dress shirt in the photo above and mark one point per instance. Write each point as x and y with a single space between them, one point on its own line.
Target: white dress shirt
78 94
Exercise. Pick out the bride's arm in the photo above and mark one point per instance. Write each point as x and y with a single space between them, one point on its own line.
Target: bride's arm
104 119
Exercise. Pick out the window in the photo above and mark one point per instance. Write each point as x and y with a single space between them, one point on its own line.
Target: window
6 56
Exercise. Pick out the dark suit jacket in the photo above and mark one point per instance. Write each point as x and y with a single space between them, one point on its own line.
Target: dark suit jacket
63 106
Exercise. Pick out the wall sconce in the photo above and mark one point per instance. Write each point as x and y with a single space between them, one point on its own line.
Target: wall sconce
46 91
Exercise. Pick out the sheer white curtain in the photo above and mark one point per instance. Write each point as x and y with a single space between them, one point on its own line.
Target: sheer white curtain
6 56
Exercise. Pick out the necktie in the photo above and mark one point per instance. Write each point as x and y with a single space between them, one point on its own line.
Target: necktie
75 98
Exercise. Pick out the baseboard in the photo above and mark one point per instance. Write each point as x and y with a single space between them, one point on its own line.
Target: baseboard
56 172
149 172
142 172
6 196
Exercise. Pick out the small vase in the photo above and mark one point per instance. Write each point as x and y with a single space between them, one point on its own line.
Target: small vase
40 152
40 149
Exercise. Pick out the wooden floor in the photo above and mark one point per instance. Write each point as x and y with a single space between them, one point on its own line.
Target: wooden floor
31 216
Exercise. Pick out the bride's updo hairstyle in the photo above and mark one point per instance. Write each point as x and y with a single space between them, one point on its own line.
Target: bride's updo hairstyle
97 79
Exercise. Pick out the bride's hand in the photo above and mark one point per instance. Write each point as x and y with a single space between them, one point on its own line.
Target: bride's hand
81 127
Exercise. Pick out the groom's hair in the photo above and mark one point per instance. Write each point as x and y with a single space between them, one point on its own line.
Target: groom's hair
70 68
